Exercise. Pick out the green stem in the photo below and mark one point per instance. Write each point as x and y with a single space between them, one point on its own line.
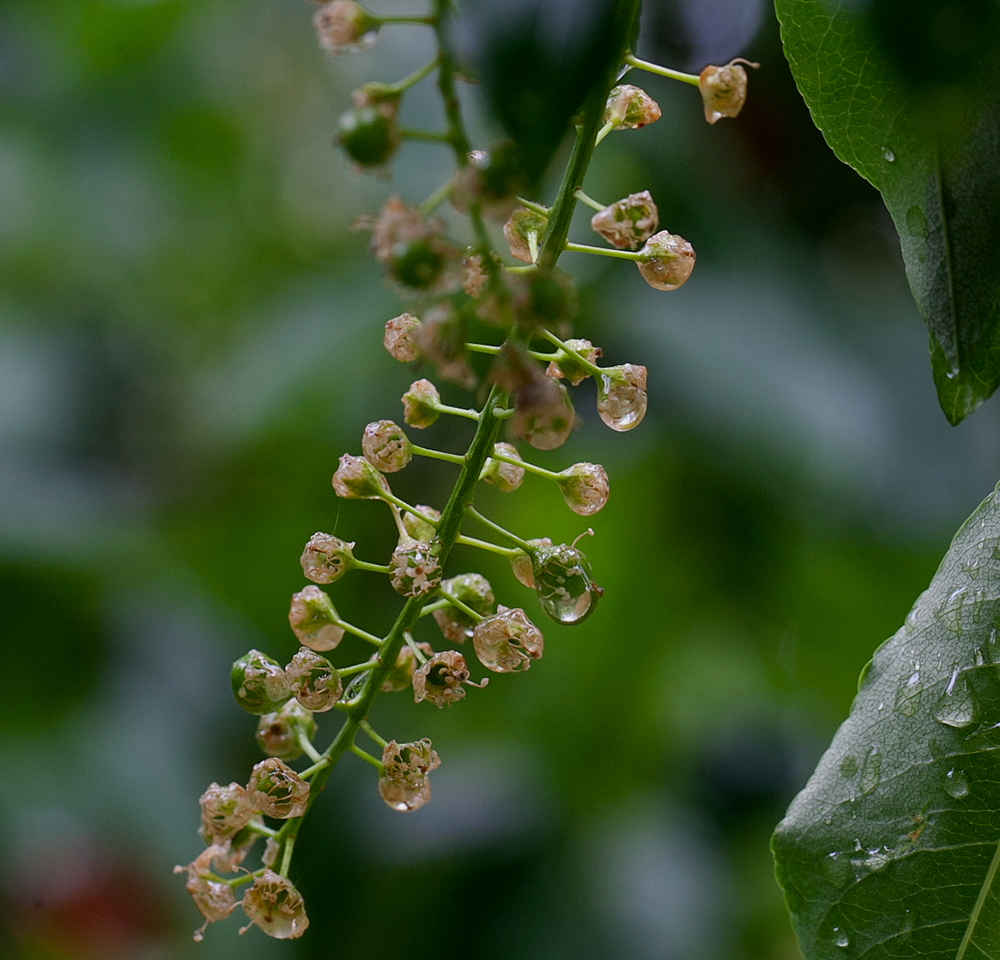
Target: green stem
465 608
536 207
524 464
307 748
438 455
431 607
373 567
356 668
487 546
691 78
367 757
567 349
604 131
401 86
428 21
496 528
286 857
604 251
590 201
438 196
362 634
457 411
370 730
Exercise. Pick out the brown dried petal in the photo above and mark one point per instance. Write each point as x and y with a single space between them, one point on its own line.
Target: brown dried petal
724 89
224 811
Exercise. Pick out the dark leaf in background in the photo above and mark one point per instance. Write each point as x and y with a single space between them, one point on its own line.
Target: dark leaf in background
906 94
891 849
536 60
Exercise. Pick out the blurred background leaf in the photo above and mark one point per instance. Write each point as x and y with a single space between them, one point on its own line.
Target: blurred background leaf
190 338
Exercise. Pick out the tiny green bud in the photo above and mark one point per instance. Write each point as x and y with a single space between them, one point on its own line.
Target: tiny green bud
326 558
630 107
344 26
504 476
440 680
523 229
357 479
259 683
584 487
278 733
667 261
405 785
224 812
419 404
414 249
564 583
274 905
386 447
628 223
369 134
724 89
277 790
414 568
474 591
315 681
543 415
508 641
568 367
418 528
621 396
314 619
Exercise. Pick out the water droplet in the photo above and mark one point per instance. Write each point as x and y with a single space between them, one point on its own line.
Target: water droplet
956 708
871 770
848 766
877 859
956 785
888 155
950 612
840 938
838 868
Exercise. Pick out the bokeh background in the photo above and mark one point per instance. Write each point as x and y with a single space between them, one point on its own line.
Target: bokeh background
190 337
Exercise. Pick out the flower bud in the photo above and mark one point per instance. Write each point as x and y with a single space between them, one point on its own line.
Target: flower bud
326 558
520 563
476 275
357 479
224 812
405 785
414 568
508 641
724 89
420 404
344 26
235 850
277 790
523 231
213 898
441 339
315 681
259 683
543 414
629 223
278 733
386 447
417 527
584 487
567 366
504 476
400 677
314 619
621 396
629 107
564 584
369 134
274 905
414 249
440 679
400 337
474 591
668 261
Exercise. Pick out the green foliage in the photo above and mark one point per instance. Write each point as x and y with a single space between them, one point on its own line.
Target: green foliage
907 96
891 849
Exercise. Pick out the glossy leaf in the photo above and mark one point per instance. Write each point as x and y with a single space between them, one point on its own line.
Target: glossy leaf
906 93
893 847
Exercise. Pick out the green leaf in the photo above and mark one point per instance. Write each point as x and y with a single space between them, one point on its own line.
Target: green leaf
893 847
906 93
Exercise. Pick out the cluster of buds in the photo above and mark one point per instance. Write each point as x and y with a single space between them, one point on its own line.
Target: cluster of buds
262 686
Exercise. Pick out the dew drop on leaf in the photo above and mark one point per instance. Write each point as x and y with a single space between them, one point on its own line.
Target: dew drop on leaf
956 785
840 938
908 696
956 708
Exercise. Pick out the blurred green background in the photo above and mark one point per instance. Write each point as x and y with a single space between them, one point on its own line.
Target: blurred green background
190 337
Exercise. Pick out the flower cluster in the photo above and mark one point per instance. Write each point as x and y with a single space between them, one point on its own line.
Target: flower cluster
524 386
